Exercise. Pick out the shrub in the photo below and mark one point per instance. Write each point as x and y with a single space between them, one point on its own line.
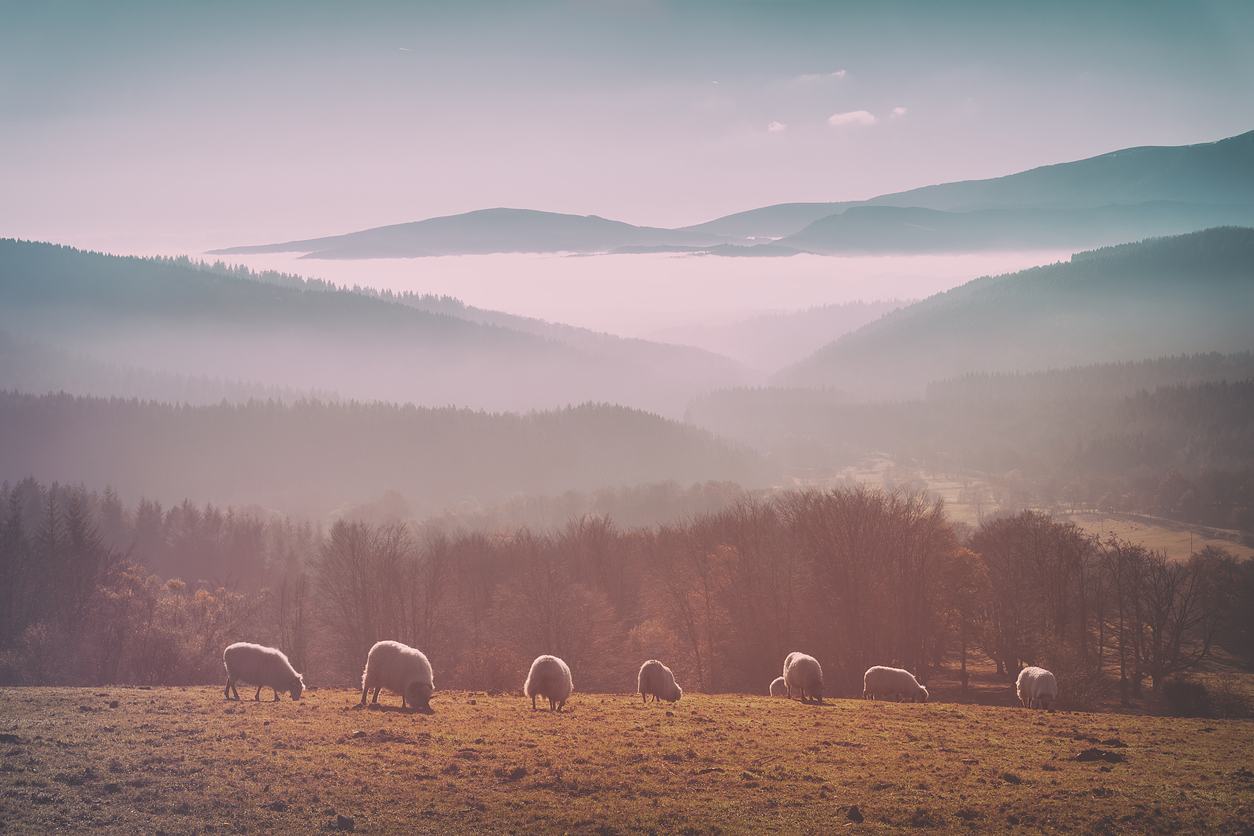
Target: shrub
1186 698
1228 700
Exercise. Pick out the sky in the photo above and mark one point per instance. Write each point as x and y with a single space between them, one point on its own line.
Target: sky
172 127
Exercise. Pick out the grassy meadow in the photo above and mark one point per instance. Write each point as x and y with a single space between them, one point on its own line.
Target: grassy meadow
174 760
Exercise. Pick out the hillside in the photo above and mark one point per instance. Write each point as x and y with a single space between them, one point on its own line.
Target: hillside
172 316
313 457
1185 294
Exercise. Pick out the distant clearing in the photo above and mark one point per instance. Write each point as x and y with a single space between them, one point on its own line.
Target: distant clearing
186 761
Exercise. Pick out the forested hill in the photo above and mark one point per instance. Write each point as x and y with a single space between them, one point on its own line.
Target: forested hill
312 457
172 316
1180 295
38 279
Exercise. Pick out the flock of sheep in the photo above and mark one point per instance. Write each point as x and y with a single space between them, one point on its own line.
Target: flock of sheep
405 671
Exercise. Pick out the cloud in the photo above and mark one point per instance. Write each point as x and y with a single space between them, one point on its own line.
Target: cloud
853 117
807 79
897 111
776 127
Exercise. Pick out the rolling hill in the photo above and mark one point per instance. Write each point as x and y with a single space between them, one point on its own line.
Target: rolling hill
164 315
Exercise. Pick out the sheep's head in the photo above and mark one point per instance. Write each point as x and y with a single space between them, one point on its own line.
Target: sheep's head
921 695
677 694
297 687
418 695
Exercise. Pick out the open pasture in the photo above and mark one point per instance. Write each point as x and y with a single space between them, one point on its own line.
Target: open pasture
172 760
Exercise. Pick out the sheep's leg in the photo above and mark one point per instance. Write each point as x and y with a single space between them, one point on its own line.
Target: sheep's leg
533 702
257 696
276 693
375 699
230 684
364 690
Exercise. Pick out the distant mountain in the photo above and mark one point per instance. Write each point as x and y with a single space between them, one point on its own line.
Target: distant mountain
1185 294
312 457
770 222
165 316
1123 195
1219 173
882 229
486 231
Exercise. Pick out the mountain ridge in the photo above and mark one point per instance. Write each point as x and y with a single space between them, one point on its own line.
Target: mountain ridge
1213 181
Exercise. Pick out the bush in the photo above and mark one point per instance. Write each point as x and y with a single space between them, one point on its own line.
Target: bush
1228 700
1186 698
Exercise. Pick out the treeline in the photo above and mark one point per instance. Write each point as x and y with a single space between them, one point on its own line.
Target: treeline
115 289
1103 436
312 456
854 576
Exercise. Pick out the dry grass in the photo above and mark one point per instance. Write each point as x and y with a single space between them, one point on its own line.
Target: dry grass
186 761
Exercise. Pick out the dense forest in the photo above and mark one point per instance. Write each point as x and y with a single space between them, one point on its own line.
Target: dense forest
1106 435
854 576
311 457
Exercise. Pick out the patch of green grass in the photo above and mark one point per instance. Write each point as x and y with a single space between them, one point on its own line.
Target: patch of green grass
171 760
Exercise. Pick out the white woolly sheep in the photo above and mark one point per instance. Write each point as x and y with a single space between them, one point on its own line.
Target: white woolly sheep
803 674
402 670
880 681
657 680
1036 688
265 667
549 678
779 688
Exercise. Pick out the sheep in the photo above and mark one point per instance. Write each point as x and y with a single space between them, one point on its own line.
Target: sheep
779 688
1036 688
881 681
657 680
265 667
549 677
402 670
803 674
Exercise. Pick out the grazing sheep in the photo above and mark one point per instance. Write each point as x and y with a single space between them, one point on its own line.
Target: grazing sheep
402 670
1036 688
265 667
657 680
880 681
779 688
803 674
549 677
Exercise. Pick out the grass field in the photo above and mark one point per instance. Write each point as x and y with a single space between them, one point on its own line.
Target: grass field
169 760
